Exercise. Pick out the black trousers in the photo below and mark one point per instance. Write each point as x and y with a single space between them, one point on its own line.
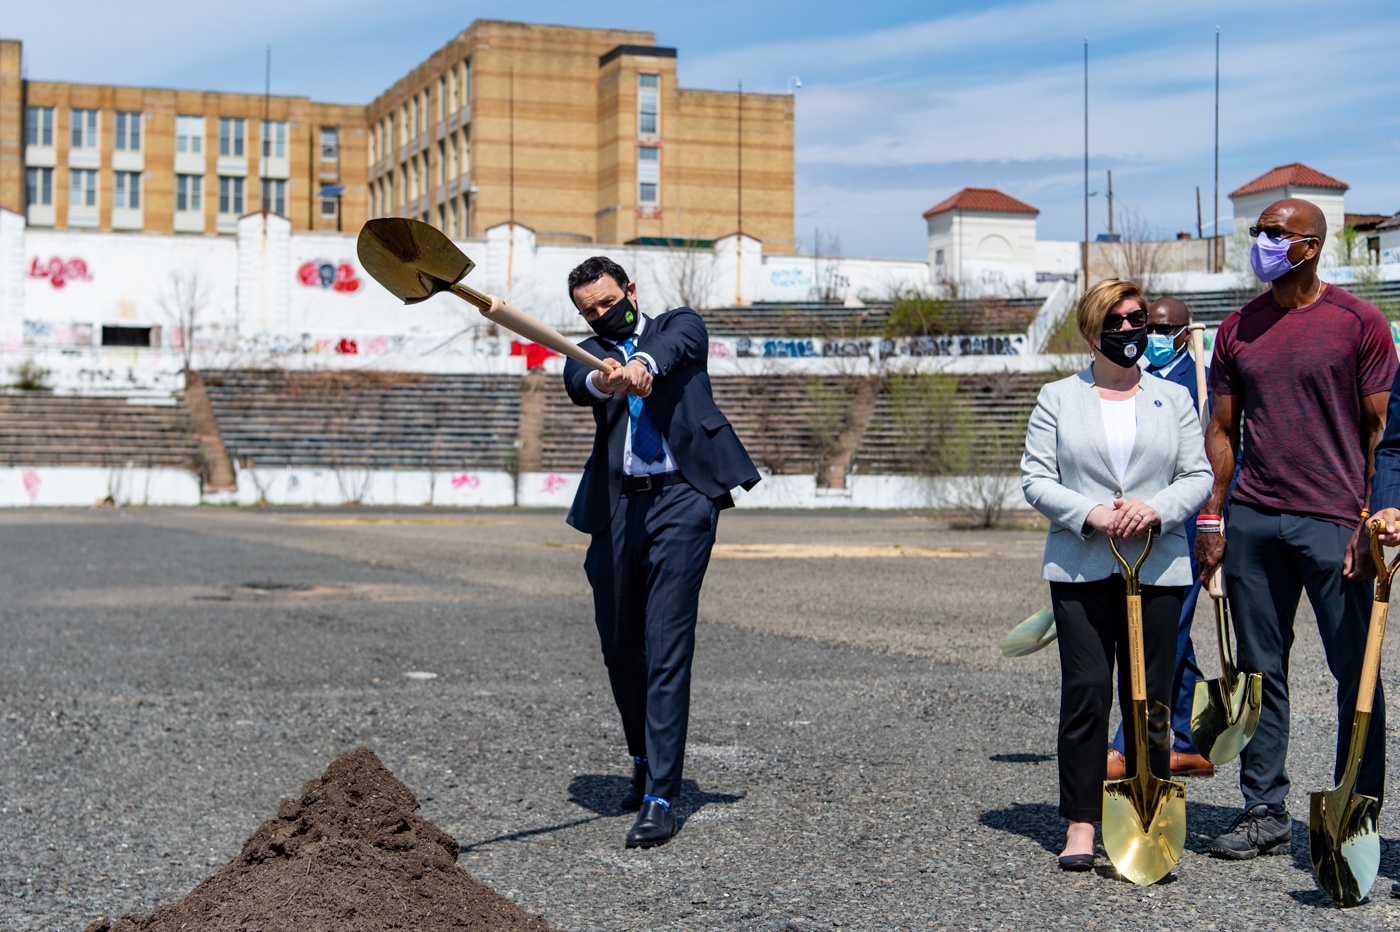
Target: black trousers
1271 557
646 570
1091 619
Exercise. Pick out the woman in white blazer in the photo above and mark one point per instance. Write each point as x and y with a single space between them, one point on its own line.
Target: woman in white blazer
1110 453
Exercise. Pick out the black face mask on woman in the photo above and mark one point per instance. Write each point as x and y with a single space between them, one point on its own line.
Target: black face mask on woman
1124 347
617 322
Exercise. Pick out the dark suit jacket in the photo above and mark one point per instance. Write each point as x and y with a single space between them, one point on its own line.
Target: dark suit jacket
702 441
1185 375
1385 484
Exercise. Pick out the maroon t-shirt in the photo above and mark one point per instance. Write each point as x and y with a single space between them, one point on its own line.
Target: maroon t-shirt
1301 374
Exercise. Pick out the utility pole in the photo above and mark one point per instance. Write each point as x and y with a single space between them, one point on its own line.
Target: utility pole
510 243
1200 233
1110 202
739 237
1086 164
1215 228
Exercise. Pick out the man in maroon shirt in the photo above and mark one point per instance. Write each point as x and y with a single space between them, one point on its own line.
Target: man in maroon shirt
1300 377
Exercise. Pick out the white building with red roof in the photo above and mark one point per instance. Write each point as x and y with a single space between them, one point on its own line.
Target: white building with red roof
1293 180
982 236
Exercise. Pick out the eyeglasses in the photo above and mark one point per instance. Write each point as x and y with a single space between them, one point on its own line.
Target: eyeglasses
1165 329
1113 322
1277 232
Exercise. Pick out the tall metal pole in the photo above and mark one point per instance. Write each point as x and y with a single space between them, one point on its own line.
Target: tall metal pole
1110 202
1086 164
1200 233
1215 229
739 237
264 141
510 244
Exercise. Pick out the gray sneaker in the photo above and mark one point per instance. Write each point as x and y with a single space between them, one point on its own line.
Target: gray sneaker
1257 831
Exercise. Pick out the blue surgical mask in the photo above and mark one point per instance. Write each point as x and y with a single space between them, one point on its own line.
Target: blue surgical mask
1269 257
1161 349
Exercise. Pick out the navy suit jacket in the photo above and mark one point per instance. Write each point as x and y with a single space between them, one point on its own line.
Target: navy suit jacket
704 445
1385 484
1185 376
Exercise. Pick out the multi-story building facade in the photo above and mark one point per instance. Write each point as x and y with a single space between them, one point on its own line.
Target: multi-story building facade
582 135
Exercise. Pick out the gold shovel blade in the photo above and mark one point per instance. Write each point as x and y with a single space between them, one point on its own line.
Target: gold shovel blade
1144 825
1343 844
412 260
1222 721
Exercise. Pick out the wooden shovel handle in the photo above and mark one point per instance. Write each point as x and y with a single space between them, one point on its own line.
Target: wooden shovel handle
1136 668
1198 349
1370 669
1215 587
517 321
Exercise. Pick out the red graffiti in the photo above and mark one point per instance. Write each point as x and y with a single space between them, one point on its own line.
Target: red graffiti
534 354
470 480
58 272
322 273
348 347
553 483
31 484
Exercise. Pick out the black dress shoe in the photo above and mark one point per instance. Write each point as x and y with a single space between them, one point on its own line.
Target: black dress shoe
632 799
654 826
1076 862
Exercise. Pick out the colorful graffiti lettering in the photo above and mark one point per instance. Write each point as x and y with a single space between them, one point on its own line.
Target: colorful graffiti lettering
553 483
788 349
58 272
471 480
719 350
322 273
348 347
31 484
534 354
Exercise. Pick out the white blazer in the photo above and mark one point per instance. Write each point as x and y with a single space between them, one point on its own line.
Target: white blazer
1067 470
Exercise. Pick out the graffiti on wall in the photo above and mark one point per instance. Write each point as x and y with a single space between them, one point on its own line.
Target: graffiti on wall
323 273
59 272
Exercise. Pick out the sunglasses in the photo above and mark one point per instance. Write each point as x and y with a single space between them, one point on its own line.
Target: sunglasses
1277 232
1113 322
1166 330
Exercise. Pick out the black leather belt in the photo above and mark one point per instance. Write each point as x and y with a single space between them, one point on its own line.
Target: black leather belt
654 481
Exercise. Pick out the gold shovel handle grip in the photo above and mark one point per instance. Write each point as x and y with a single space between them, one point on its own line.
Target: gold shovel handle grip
1370 669
1136 661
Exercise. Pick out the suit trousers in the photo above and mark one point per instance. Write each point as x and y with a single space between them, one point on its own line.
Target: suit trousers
1092 621
646 570
1271 558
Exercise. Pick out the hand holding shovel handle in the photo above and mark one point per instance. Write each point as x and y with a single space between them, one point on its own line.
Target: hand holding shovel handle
1343 844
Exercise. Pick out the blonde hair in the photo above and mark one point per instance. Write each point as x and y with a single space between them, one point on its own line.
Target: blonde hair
1102 298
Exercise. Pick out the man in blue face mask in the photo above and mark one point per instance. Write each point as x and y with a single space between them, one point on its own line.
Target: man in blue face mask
1167 358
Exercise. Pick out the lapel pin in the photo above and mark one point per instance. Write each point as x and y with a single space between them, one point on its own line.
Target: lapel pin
1157 403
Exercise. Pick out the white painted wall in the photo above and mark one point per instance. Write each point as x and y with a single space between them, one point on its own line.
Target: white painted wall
1248 207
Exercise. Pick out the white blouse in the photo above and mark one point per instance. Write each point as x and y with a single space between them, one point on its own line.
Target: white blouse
1120 426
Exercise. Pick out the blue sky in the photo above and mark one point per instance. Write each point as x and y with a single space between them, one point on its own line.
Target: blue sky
900 105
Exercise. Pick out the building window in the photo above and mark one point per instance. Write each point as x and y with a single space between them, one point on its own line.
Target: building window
938 257
38 185
127 135
452 98
189 135
648 173
442 163
388 198
126 190
405 125
454 230
274 139
230 195
648 103
442 97
328 206
82 187
454 169
189 190
84 129
330 144
466 83
231 136
413 187
38 126
274 194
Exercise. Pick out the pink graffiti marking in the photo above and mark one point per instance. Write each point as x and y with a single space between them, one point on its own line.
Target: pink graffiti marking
553 483
323 273
58 272
31 484
348 347
471 480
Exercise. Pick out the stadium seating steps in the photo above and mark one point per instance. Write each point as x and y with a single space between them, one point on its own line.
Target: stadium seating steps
42 429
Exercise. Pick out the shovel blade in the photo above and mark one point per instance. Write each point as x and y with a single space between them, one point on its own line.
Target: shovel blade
412 260
1031 635
1343 844
1223 721
1144 825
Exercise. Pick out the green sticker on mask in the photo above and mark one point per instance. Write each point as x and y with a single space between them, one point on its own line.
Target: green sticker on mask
630 318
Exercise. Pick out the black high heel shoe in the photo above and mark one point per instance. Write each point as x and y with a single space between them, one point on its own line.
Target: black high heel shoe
1076 862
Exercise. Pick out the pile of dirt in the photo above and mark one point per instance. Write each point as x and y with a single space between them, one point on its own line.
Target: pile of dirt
351 854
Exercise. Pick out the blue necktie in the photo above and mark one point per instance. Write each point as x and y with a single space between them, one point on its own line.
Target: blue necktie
646 438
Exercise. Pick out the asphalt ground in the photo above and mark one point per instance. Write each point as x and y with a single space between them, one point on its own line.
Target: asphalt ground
861 756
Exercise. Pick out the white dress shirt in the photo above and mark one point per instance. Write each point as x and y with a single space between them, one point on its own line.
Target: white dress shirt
631 465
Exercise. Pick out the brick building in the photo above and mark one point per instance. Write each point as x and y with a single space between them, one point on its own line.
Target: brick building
582 135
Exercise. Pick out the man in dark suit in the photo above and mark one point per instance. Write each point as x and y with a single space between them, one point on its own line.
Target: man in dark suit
664 462
1168 358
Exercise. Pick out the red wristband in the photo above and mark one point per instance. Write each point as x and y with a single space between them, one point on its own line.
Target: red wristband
1199 517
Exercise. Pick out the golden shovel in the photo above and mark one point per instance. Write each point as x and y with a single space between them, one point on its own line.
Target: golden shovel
1144 816
1225 710
415 261
1343 844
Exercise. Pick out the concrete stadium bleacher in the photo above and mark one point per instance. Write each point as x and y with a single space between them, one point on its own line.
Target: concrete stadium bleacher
366 419
41 429
833 319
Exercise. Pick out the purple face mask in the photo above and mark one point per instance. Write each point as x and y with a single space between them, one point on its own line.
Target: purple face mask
1270 257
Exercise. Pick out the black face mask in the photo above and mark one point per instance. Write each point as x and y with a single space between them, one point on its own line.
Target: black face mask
617 322
1124 347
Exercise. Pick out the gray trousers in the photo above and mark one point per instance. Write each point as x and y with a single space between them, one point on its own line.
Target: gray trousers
1271 558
